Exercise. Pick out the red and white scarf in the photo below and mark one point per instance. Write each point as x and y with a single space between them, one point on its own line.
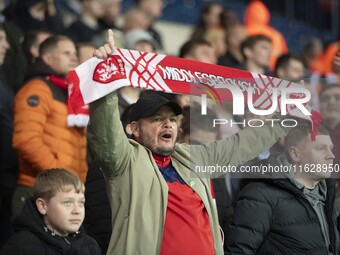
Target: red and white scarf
96 78
73 120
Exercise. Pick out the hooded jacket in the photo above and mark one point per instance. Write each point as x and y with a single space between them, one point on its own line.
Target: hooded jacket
41 136
33 237
256 20
280 216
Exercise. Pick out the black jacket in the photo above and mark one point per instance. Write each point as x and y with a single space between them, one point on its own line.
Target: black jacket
8 159
33 237
224 205
272 216
97 221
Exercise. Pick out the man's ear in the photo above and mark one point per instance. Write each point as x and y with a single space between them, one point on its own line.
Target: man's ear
128 129
41 205
135 130
280 72
34 51
294 153
247 52
46 58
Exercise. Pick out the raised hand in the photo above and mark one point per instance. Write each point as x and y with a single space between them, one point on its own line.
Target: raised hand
106 50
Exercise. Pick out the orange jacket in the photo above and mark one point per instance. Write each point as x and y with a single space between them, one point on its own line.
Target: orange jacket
256 20
324 63
41 136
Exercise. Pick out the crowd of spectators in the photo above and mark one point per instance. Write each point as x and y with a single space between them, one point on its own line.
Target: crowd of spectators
42 40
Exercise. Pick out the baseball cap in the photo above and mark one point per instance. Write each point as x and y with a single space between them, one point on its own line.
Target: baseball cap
137 35
149 104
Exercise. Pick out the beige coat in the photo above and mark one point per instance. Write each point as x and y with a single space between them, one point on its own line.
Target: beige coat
137 190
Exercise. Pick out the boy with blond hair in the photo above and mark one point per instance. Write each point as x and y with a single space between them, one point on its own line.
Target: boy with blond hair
50 223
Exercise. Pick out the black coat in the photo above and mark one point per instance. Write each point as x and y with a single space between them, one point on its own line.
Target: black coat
97 221
33 237
8 160
272 216
224 205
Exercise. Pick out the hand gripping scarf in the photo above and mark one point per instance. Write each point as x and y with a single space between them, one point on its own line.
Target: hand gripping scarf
96 78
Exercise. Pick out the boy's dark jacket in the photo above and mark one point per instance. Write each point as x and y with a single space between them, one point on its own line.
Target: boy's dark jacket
33 237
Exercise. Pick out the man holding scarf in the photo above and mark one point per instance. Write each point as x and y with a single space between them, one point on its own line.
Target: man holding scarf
159 204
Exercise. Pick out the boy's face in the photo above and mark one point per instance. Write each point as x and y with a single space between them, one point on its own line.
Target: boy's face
294 71
260 53
64 213
204 53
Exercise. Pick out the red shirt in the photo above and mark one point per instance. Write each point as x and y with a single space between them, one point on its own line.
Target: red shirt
187 226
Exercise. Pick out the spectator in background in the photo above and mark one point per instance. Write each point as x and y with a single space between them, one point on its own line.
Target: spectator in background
209 20
320 78
135 18
41 135
8 158
154 10
325 62
330 110
256 52
199 50
141 40
311 54
51 221
216 37
87 26
256 21
38 14
233 57
229 19
14 55
31 43
112 9
289 67
109 20
85 51
289 213
197 128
